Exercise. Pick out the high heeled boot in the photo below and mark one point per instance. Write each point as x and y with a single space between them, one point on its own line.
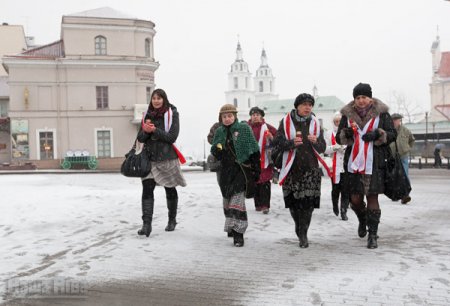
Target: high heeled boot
172 205
373 219
147 217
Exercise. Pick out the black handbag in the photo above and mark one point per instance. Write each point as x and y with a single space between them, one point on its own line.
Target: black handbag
213 163
136 163
397 184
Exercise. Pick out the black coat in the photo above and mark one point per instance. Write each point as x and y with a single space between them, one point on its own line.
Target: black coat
159 143
381 151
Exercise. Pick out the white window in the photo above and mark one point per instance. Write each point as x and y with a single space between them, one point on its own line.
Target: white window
236 84
103 143
147 48
249 103
235 102
46 144
100 45
261 86
102 97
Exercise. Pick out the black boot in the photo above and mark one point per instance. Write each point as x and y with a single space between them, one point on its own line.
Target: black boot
373 218
147 216
335 199
362 217
172 205
304 222
344 207
294 215
238 239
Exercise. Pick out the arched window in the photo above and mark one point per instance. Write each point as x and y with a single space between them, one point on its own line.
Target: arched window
261 86
235 83
147 47
235 102
249 104
100 45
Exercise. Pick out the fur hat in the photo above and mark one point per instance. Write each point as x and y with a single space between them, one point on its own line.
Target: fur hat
362 90
395 116
302 98
256 109
228 108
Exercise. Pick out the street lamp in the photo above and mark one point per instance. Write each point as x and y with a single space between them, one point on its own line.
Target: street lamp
426 138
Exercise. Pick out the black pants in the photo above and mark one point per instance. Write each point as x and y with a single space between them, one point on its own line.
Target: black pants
262 195
148 186
336 190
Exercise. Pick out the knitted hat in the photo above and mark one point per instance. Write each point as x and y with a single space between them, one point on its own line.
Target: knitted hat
256 109
362 90
302 98
396 116
228 108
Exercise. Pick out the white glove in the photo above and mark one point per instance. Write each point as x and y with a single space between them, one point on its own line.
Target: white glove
336 147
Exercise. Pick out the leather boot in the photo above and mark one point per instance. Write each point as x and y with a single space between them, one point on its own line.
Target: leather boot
294 215
172 205
373 218
362 217
147 217
238 239
304 222
344 207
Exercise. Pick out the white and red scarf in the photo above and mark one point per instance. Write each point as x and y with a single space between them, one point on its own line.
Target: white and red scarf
361 157
335 175
289 156
167 125
262 143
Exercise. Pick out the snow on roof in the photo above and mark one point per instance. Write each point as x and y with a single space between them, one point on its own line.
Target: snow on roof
444 68
103 12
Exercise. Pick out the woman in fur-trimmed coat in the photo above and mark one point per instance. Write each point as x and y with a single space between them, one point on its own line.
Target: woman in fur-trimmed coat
367 129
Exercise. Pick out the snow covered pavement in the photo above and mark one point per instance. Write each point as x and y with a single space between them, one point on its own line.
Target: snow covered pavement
83 228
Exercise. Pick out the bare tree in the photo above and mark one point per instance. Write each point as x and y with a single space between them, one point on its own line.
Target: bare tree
400 104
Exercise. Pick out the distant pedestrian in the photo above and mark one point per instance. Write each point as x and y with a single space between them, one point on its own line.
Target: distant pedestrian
405 142
367 129
437 155
336 151
300 140
159 132
238 152
264 134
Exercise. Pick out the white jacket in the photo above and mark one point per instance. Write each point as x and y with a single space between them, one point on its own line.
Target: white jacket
337 149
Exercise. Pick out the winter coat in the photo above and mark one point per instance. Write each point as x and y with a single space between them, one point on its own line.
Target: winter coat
305 159
232 179
266 174
381 149
159 143
405 141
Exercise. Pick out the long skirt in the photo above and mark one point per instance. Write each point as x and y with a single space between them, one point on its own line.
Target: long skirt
235 213
302 191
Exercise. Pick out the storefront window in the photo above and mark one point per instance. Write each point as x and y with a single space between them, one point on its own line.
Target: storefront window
19 140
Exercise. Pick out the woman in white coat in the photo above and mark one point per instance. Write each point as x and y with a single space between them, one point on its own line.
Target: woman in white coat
336 151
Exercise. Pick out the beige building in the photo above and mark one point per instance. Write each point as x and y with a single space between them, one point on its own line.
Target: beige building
440 84
81 92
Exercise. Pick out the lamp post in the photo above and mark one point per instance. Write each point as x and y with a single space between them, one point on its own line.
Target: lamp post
426 138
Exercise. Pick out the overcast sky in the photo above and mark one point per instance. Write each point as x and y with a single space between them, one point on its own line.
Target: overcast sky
331 43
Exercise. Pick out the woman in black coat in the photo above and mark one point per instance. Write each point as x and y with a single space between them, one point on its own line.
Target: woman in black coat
158 132
367 129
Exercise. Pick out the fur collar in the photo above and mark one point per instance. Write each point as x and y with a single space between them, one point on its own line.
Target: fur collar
377 109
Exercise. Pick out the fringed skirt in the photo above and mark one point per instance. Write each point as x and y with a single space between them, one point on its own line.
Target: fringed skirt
235 213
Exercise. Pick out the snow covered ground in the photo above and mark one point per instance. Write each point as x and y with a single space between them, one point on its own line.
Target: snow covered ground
83 227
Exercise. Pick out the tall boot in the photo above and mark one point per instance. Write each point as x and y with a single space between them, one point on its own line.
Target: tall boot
172 205
335 199
362 217
238 239
304 222
294 215
344 206
373 218
147 217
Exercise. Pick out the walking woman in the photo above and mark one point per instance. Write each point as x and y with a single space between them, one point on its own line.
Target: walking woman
367 129
337 170
300 140
238 152
264 134
159 131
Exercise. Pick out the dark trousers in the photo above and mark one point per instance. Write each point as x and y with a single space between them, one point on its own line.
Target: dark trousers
337 190
148 186
262 195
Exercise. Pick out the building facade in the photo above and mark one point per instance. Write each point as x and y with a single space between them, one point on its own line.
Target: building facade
440 84
81 93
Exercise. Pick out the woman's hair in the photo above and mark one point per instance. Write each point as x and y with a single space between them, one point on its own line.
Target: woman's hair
162 94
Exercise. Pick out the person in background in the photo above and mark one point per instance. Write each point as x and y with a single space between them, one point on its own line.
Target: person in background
264 134
235 147
405 142
367 129
159 132
300 140
336 151
437 155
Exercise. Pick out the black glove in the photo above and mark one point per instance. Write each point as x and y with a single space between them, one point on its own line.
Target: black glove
371 136
348 132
